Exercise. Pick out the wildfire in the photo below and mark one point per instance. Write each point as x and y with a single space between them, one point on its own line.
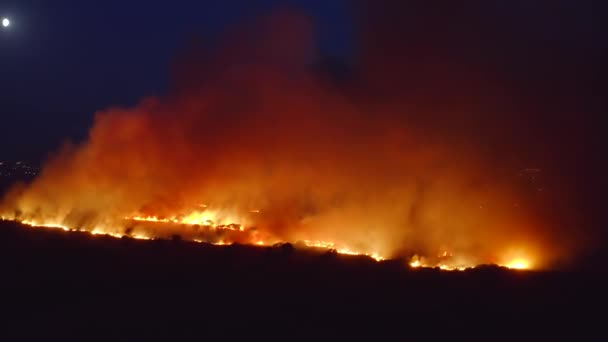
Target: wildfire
208 219
416 261
303 158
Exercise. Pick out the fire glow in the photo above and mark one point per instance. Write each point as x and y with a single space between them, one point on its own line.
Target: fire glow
271 151
519 264
415 262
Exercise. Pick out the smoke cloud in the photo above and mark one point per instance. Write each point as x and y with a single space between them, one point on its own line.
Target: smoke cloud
422 149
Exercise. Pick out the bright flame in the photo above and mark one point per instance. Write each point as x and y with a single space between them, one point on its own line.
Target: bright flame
207 218
445 262
519 264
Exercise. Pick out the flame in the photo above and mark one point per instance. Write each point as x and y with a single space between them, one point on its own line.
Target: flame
415 262
340 250
519 264
320 244
45 225
205 218
35 224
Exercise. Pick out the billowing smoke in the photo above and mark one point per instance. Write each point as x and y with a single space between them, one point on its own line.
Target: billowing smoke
415 151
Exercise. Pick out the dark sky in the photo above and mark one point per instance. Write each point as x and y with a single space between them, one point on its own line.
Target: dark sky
63 60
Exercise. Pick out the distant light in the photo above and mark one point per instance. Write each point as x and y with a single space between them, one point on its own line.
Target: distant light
6 22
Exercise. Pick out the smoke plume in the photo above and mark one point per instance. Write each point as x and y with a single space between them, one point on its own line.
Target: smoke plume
420 150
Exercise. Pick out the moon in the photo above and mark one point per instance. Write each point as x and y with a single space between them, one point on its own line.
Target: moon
6 22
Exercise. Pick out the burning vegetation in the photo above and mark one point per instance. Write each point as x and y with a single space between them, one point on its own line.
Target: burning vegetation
279 150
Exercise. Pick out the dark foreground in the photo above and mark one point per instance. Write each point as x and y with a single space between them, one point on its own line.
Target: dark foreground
58 284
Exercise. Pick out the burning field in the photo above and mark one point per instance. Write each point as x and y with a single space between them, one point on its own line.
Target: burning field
257 144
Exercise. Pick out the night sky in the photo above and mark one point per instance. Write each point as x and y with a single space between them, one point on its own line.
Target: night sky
61 61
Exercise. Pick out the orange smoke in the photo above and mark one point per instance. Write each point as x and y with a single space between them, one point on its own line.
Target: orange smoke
280 152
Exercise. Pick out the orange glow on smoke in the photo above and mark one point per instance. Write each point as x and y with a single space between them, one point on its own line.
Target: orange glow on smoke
268 151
